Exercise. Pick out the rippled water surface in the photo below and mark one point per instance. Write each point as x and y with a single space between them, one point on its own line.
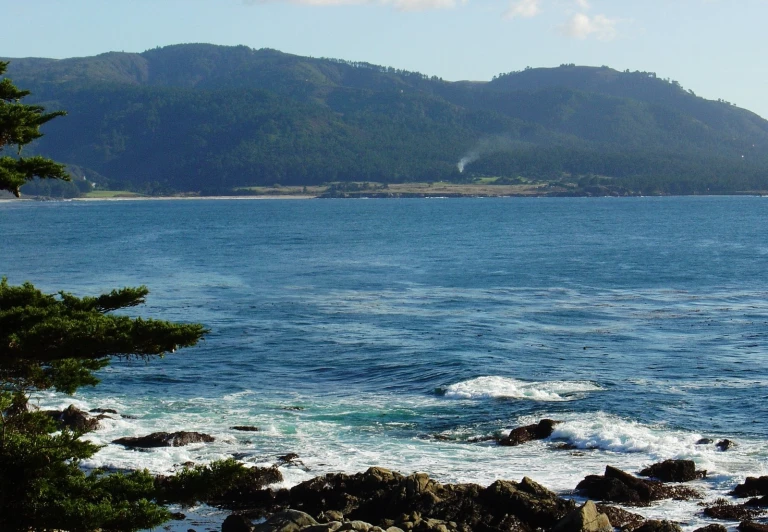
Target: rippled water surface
399 332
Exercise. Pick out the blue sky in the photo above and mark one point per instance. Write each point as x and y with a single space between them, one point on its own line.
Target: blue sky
718 48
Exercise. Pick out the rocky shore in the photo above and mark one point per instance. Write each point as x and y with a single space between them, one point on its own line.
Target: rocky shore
381 500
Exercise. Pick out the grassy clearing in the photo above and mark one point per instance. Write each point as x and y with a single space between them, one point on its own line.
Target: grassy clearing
101 194
282 190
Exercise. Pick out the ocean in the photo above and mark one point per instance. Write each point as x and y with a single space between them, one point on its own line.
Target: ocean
402 332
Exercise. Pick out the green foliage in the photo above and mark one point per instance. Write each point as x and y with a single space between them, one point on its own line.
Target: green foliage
58 341
202 482
20 125
212 118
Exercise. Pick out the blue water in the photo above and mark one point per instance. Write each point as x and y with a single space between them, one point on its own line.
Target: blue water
641 322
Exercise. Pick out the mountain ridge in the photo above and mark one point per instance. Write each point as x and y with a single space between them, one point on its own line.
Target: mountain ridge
200 116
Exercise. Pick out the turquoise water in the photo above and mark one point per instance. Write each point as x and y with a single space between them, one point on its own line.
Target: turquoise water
407 329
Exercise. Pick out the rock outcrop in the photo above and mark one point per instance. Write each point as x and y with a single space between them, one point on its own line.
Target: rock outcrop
617 486
543 429
752 487
673 471
584 519
380 499
164 439
75 419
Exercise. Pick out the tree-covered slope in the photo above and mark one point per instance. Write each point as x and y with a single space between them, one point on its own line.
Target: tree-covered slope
209 118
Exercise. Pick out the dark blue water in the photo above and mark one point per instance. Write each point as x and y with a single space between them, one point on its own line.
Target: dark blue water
646 316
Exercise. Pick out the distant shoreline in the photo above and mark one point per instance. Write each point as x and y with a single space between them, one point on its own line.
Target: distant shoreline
438 195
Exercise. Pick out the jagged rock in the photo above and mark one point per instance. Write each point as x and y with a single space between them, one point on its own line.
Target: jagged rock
752 487
331 526
286 521
617 486
236 523
543 429
760 502
103 411
722 509
165 439
245 428
584 519
620 518
725 445
712 528
673 471
75 419
653 525
530 502
329 516
749 526
360 526
381 499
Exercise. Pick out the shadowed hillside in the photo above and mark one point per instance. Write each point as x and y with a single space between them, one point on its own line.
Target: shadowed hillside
208 118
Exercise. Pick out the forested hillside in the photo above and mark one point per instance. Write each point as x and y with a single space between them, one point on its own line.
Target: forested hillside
210 118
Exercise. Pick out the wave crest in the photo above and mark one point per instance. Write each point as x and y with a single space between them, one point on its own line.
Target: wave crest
495 387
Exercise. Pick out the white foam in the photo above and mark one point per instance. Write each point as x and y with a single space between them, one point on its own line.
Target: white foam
504 387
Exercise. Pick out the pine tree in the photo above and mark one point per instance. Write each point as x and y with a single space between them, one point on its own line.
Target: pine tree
58 342
20 125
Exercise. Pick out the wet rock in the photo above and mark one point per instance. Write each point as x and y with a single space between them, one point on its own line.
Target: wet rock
705 441
543 429
178 516
287 458
712 528
752 487
236 523
333 526
286 521
530 502
584 519
75 419
245 428
617 486
360 526
293 408
165 439
653 525
749 526
381 499
621 518
250 489
725 445
722 509
761 502
103 411
329 516
673 471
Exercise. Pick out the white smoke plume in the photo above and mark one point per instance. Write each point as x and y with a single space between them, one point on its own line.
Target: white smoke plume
485 146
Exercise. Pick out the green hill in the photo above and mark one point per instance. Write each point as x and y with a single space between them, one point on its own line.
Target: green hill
208 118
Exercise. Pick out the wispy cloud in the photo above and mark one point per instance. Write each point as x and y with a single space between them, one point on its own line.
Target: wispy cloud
403 5
579 24
523 8
582 26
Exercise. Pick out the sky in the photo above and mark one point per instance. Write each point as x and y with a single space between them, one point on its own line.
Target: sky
717 48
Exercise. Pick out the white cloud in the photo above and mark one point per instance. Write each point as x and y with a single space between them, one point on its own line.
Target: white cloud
583 4
523 8
582 26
